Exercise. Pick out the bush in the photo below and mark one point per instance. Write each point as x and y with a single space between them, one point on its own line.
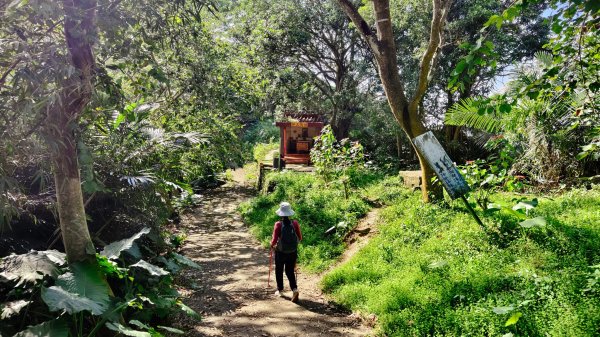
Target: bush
334 159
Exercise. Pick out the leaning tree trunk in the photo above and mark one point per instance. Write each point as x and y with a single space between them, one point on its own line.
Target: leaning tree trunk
61 125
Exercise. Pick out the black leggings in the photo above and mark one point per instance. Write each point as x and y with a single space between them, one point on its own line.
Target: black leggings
285 261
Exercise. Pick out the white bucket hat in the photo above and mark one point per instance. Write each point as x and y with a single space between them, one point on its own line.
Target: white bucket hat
285 209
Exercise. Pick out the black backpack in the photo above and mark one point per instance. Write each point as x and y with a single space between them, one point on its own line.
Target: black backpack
288 241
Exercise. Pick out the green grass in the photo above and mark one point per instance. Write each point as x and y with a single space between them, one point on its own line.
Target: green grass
261 152
433 272
318 207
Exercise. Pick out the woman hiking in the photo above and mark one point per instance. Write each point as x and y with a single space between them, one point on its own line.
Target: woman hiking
286 235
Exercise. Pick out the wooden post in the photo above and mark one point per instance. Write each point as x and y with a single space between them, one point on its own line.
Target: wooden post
284 141
260 176
281 148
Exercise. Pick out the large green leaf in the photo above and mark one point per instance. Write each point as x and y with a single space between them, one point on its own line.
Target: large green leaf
58 299
53 328
189 311
169 264
126 331
184 261
114 250
535 222
150 268
10 309
86 280
31 267
526 205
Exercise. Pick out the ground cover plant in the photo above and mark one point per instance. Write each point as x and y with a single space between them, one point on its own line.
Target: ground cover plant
433 271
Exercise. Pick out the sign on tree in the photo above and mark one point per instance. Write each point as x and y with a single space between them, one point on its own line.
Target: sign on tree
437 158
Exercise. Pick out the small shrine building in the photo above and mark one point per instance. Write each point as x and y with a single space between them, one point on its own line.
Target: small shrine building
297 135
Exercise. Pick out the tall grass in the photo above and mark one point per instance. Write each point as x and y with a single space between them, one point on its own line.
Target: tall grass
433 272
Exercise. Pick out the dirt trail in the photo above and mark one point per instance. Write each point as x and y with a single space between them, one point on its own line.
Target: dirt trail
230 291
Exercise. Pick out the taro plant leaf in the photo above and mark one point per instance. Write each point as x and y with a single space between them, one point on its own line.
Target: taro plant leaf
58 298
134 251
503 310
139 324
514 318
535 222
492 207
189 311
55 256
182 260
29 267
10 309
169 264
526 205
150 268
171 330
517 214
125 330
53 328
86 280
113 250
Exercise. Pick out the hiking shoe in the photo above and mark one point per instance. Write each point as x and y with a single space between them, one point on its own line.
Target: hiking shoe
279 293
295 296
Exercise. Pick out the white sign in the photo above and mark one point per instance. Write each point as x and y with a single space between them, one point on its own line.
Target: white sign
429 147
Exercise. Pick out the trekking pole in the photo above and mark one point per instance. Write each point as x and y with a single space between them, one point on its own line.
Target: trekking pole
270 267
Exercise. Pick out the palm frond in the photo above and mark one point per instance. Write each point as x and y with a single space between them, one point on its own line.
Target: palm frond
191 137
467 113
143 178
544 58
156 135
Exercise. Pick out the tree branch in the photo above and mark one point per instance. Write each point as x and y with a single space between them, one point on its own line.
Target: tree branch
8 71
361 25
440 10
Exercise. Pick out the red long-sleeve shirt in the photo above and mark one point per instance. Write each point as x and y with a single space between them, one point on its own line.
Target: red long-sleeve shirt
277 232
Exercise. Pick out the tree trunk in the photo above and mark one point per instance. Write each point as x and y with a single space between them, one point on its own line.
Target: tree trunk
75 234
61 123
341 128
384 50
399 145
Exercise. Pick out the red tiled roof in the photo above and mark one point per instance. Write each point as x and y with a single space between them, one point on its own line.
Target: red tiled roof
304 116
